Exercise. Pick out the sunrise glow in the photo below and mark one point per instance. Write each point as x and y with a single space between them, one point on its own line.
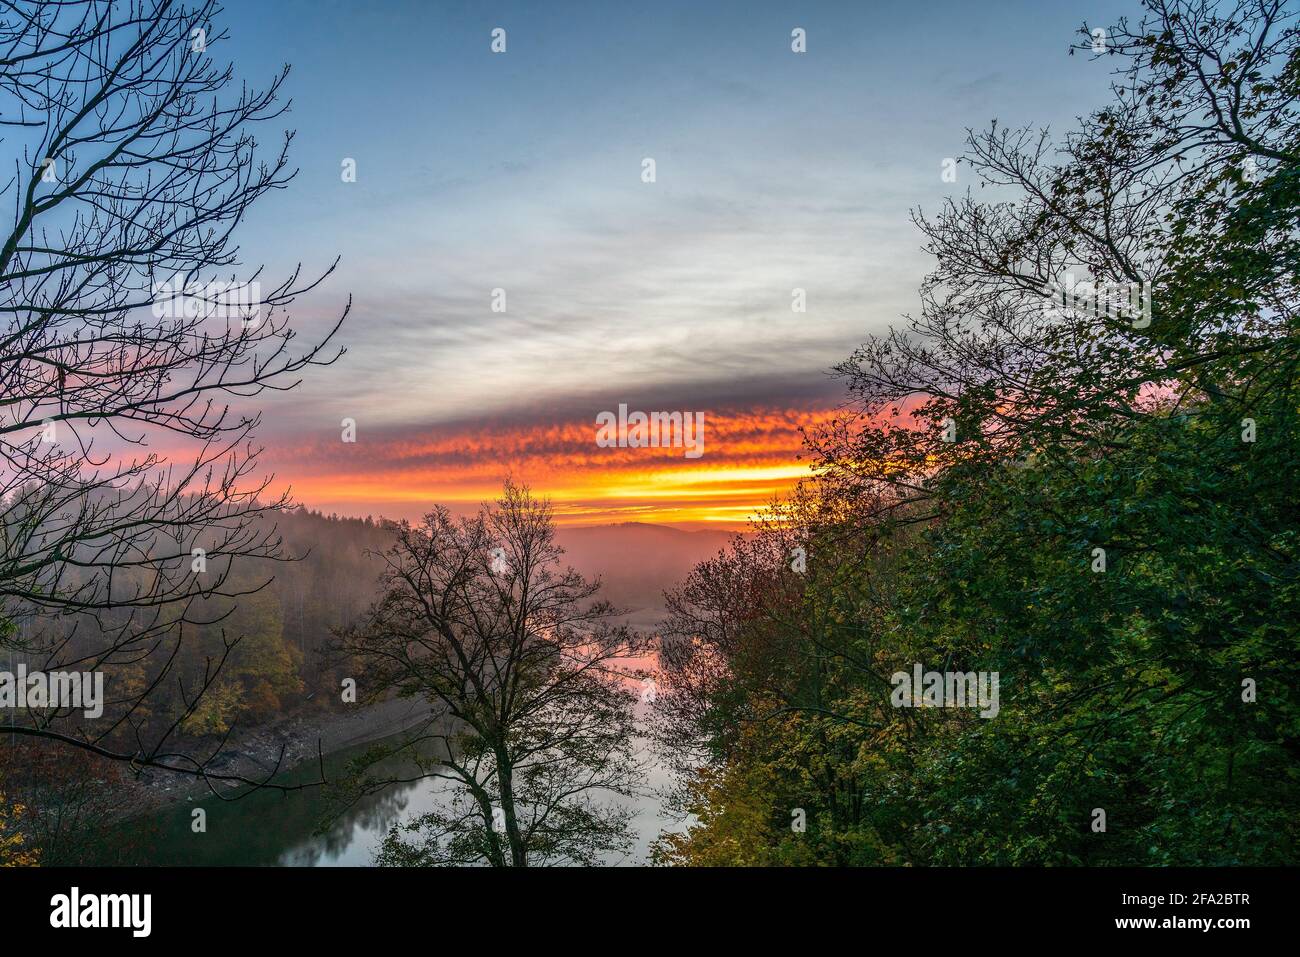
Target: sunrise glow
750 458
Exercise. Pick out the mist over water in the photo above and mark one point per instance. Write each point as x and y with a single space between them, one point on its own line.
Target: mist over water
270 828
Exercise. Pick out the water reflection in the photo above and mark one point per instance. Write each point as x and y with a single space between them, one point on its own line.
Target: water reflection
272 828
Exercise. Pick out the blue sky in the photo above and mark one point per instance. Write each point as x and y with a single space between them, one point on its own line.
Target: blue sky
521 170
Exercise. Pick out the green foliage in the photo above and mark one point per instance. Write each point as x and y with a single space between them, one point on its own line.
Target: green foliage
1161 685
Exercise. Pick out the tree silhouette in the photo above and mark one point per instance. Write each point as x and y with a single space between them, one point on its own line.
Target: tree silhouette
527 678
124 321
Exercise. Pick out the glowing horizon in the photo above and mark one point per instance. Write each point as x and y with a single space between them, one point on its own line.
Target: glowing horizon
750 458
511 274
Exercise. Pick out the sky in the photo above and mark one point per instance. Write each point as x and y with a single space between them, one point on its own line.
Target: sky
522 171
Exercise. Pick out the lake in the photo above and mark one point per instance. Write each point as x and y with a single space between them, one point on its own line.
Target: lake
277 829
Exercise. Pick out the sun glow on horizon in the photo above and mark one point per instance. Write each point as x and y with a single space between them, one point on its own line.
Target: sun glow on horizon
752 458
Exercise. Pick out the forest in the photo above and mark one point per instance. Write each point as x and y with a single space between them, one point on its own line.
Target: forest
1094 503
1036 601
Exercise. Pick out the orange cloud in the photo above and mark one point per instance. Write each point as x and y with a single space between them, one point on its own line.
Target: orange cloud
749 457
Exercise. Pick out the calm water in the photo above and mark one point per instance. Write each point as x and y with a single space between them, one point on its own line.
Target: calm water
269 828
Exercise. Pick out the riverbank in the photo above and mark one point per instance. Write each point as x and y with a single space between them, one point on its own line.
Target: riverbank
280 746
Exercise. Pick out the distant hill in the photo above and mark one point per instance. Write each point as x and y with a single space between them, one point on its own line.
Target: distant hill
638 562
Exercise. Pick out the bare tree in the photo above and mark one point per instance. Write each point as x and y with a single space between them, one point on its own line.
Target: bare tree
124 320
1204 125
529 684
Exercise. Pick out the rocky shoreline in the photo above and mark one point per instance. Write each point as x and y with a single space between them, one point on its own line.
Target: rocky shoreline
255 754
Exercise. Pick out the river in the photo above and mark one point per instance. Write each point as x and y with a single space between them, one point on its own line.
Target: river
281 829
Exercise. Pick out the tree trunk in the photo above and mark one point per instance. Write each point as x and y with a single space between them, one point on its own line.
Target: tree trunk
505 773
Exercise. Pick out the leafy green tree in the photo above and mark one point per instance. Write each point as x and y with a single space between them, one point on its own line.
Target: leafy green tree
1090 499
